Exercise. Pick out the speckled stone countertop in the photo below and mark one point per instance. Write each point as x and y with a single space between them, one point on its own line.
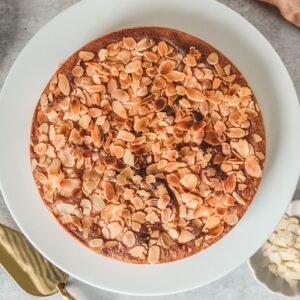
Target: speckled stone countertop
21 19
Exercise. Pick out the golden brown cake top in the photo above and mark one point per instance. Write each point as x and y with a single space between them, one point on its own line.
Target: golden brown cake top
148 145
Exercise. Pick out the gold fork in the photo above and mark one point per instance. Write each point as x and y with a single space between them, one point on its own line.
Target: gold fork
34 273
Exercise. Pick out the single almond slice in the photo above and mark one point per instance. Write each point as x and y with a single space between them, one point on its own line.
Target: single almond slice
63 84
97 202
166 67
40 149
162 48
96 136
84 121
119 109
211 223
114 229
163 201
252 167
195 95
185 237
236 132
126 136
231 219
160 104
96 243
129 43
189 181
109 190
128 239
213 58
120 95
77 71
153 254
229 184
86 55
173 180
133 66
141 124
138 252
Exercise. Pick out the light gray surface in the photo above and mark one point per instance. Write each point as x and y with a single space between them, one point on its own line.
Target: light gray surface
21 19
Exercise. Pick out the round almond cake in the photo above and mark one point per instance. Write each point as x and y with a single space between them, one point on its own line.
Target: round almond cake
147 145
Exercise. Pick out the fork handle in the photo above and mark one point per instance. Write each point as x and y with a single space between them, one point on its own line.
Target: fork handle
61 287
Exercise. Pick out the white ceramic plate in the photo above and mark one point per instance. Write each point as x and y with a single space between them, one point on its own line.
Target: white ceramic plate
222 28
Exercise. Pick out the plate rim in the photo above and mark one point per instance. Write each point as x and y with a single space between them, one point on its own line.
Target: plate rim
1 179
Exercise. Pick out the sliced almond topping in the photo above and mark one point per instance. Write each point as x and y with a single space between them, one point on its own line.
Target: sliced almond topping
40 149
242 148
138 252
102 54
120 95
213 58
119 109
128 239
62 208
252 167
138 217
133 66
173 180
128 158
63 84
173 233
86 206
96 136
109 191
97 202
69 186
160 104
96 243
231 219
86 55
75 136
137 202
211 223
189 181
129 43
217 231
166 240
211 138
191 198
195 95
153 254
245 91
124 56
114 229
119 151
126 136
236 133
229 184
238 198
256 138
144 147
163 201
162 48
84 121
141 124
185 237
175 76
166 67
150 56
77 71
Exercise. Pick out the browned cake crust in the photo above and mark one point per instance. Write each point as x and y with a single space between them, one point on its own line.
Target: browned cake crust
147 145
